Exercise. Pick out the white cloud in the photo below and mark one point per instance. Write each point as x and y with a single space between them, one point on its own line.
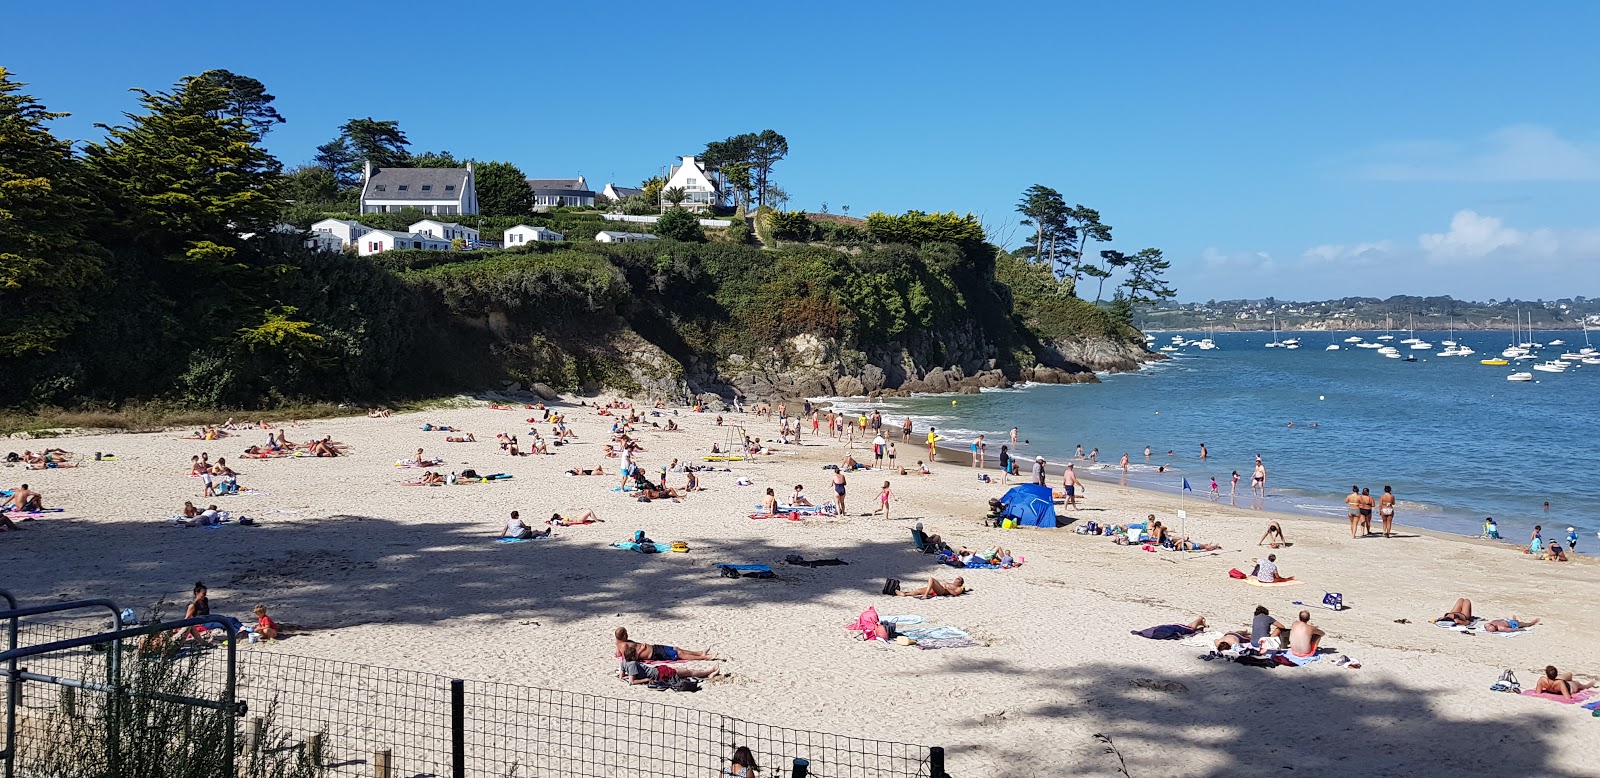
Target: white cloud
1369 253
1520 152
1473 237
1255 261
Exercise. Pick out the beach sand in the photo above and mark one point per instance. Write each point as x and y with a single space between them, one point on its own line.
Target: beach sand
410 577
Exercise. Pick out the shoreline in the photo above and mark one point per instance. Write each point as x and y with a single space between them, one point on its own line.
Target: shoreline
1324 507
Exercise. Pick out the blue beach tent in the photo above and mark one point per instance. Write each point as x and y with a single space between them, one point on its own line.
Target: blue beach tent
1031 505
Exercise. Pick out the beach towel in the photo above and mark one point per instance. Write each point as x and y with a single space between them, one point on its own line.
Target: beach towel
800 561
1300 661
746 571
643 548
1583 696
522 540
32 514
1254 582
904 620
937 643
1164 632
789 516
920 634
1476 628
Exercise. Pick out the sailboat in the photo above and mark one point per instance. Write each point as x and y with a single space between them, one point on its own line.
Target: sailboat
1514 350
1274 343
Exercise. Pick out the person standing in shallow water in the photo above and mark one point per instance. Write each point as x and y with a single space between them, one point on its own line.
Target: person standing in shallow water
1203 453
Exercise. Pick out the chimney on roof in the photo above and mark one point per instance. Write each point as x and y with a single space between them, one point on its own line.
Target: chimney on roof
366 170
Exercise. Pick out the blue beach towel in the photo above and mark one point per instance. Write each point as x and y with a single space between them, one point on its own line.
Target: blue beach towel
920 634
902 621
628 545
746 571
521 540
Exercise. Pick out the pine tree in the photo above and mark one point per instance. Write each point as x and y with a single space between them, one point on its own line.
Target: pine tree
47 261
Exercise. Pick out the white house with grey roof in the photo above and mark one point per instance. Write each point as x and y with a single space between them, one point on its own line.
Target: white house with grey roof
445 230
608 236
551 192
379 241
691 177
443 191
616 194
522 233
346 231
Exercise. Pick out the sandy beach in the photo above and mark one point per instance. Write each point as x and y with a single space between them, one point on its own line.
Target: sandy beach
411 577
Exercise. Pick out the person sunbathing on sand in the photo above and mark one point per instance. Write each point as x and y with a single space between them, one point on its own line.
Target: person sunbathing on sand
1275 534
799 496
647 652
1304 638
516 529
1560 684
586 516
24 500
634 671
596 470
467 438
283 440
431 478
323 448
1512 624
935 588
1266 571
1460 614
1236 638
1185 544
189 511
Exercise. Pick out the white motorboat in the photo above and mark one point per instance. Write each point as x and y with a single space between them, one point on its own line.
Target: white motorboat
1514 352
1450 351
1369 345
1421 345
1391 355
1332 347
1385 337
1555 366
1591 360
1353 339
1558 342
1572 357
1520 377
1169 349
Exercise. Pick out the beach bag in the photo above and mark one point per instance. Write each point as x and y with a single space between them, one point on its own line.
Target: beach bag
681 683
1333 601
1237 573
1507 683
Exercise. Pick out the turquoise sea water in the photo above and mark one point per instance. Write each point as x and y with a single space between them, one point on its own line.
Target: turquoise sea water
1455 439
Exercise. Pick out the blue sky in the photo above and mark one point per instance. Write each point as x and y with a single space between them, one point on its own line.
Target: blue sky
1267 148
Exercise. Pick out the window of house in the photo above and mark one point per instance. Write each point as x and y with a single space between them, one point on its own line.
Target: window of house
449 187
692 181
403 187
382 188
427 187
374 246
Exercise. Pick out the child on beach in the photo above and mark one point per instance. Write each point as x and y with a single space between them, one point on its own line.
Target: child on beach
1214 493
1491 530
883 501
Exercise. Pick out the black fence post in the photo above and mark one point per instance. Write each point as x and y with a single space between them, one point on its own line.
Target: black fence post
458 729
936 762
802 768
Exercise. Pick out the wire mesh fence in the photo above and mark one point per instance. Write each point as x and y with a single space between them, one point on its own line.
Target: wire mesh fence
362 720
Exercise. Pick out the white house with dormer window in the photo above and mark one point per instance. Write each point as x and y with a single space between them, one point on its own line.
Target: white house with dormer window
691 176
442 191
445 230
379 241
522 233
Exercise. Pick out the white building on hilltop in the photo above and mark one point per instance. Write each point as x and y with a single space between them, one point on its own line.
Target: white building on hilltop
690 176
446 230
443 191
379 241
608 236
345 230
522 233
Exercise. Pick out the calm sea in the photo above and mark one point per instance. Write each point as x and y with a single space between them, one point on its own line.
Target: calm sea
1456 440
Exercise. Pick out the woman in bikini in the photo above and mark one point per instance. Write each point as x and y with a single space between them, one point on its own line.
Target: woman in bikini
1386 510
1560 684
586 516
1232 639
1460 614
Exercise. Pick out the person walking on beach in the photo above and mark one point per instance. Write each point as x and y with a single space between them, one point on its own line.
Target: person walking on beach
816 422
977 452
1038 471
1214 493
1366 512
905 429
838 489
1013 437
1258 479
1124 463
1071 485
1353 507
877 422
1386 510
878 444
933 450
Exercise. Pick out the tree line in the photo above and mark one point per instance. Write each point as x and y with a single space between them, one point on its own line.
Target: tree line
1060 241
